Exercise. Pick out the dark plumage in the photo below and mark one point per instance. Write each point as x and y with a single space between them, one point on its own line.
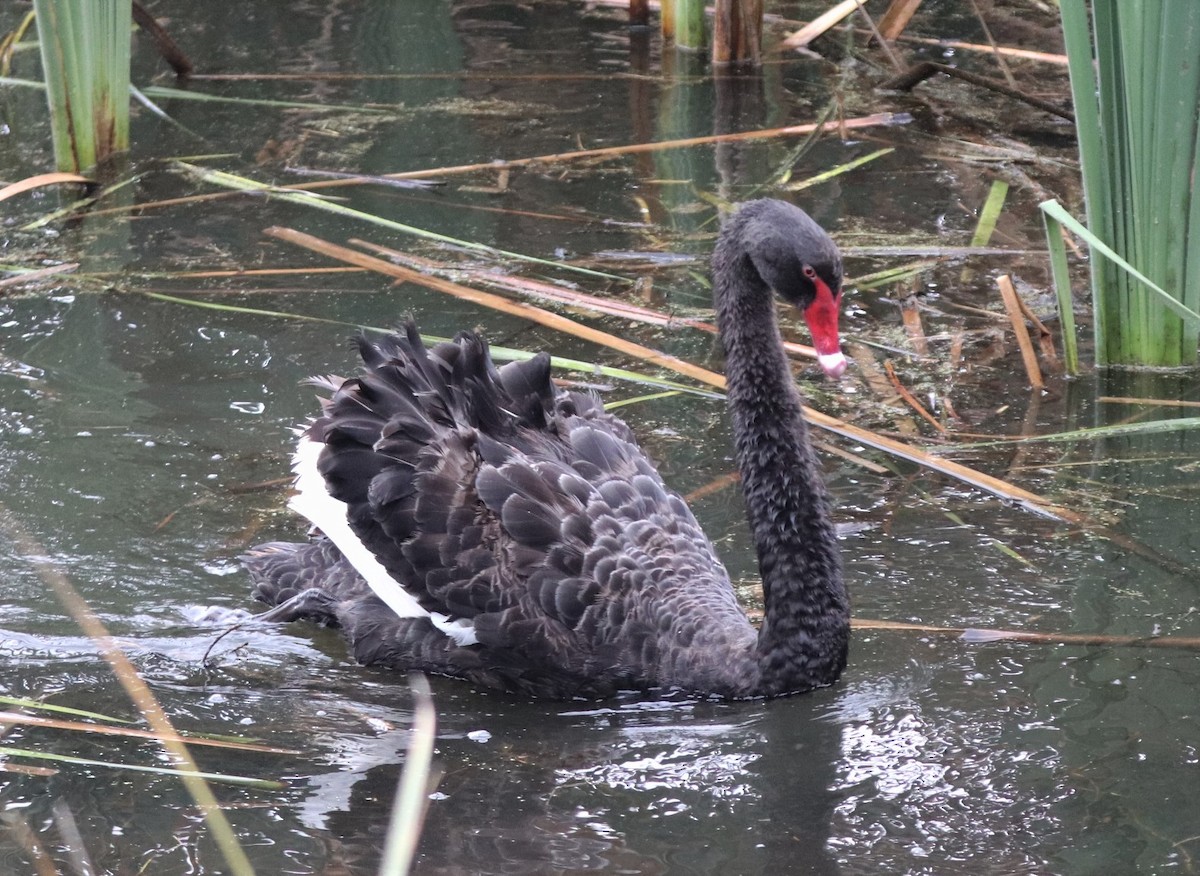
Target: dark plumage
553 557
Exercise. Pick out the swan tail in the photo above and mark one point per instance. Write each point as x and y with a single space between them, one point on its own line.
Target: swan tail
388 470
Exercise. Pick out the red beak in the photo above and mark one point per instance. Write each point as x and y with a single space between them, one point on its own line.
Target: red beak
822 318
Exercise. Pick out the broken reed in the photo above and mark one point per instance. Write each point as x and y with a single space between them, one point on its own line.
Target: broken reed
1136 86
85 47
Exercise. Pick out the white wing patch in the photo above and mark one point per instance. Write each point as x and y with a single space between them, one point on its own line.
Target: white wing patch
328 514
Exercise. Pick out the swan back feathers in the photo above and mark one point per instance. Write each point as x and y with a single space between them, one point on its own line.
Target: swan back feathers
477 522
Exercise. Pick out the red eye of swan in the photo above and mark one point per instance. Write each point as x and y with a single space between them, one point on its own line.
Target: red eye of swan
810 272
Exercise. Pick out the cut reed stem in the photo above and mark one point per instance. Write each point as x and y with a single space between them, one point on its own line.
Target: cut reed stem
1017 317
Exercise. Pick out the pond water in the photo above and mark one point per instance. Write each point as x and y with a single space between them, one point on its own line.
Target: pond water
141 437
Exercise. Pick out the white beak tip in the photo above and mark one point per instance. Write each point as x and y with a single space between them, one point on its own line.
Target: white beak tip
833 364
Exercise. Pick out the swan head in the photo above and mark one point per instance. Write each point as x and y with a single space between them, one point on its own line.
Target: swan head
799 260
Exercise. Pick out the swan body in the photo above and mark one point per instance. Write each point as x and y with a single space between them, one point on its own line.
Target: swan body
478 523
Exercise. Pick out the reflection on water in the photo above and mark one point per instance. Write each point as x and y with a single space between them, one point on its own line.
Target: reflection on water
644 787
137 437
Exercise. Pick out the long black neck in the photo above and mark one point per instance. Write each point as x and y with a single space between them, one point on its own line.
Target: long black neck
803 640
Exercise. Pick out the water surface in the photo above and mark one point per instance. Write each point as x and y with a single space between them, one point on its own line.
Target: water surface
138 435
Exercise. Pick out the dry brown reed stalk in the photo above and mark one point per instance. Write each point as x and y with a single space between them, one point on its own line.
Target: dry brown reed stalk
167 47
987 32
1045 338
1164 402
852 458
666 21
918 73
910 399
523 286
495 302
911 317
466 76
896 18
1011 52
978 479
1017 318
877 381
24 769
249 272
39 274
42 179
716 485
445 202
11 718
737 32
609 152
135 688
886 45
987 483
1008 51
165 202
550 292
956 350
22 833
873 120
821 24
723 482
982 635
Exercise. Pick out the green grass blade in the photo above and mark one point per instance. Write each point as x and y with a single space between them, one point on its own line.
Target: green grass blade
62 710
990 213
637 400
79 205
22 83
172 772
1055 210
838 171
308 199
1062 291
1092 433
890 275
1093 158
161 91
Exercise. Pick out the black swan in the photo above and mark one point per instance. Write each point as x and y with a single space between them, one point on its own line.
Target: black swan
478 523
